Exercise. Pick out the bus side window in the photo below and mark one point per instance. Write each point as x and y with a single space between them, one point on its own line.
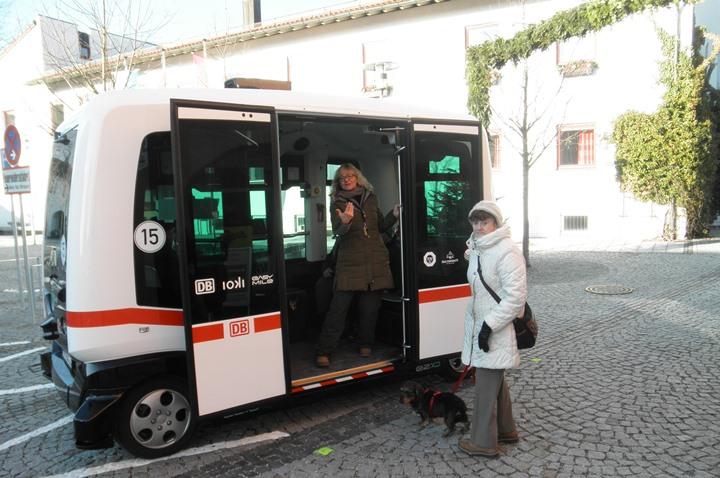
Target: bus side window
157 276
445 192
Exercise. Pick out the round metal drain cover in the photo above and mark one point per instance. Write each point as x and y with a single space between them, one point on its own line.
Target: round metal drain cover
608 289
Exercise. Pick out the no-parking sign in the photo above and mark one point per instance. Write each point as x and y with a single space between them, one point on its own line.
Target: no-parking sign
15 178
13 147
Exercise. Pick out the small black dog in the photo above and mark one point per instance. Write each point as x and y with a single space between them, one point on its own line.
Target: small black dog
431 404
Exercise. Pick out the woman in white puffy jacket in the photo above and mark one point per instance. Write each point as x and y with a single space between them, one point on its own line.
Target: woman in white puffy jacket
490 345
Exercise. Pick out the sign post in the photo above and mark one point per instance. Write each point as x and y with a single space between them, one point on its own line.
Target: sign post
28 272
17 255
17 181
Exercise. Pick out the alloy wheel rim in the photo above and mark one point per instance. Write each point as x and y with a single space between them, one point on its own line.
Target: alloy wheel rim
160 418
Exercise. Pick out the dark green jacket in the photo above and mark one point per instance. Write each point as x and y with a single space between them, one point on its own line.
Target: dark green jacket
363 262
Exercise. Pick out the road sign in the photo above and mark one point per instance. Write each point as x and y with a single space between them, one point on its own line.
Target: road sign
17 180
13 146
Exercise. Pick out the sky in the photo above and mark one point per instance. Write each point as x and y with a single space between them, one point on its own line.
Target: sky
185 18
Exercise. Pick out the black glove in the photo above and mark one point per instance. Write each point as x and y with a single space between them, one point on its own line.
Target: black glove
483 337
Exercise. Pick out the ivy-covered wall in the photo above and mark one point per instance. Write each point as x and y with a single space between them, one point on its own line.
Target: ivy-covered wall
482 59
671 155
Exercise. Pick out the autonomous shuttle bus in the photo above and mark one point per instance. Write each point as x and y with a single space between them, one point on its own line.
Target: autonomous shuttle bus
186 244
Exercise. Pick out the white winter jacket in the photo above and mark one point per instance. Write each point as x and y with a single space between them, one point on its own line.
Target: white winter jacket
503 268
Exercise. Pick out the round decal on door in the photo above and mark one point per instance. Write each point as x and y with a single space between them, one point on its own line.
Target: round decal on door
429 259
149 236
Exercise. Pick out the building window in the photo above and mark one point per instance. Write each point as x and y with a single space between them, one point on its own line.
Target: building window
576 147
9 118
494 145
299 223
576 56
84 41
379 58
477 34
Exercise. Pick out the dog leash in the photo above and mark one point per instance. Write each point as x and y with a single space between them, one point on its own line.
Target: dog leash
460 379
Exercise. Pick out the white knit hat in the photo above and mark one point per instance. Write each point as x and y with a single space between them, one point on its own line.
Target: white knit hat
489 207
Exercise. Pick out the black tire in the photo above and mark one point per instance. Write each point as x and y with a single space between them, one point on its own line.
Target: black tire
137 427
452 368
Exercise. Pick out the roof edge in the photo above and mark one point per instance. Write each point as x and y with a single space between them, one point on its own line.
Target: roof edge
255 32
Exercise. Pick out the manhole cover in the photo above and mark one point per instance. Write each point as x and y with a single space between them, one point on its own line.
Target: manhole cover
608 289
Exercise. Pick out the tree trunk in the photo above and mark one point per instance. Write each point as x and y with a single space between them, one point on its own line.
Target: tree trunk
526 170
526 214
694 223
670 226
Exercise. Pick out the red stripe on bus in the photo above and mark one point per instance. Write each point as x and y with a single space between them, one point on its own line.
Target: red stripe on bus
104 318
206 333
345 379
444 293
268 322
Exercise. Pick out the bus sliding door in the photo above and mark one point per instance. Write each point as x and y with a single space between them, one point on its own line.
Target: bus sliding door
448 182
224 165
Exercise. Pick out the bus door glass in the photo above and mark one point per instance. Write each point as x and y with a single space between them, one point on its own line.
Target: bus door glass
447 184
224 180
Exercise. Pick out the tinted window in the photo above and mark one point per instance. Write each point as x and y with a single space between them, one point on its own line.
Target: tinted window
56 215
227 169
157 277
448 184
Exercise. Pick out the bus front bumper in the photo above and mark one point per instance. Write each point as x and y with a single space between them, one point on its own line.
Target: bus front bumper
93 409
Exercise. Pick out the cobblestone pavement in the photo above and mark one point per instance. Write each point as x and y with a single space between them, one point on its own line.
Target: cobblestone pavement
618 385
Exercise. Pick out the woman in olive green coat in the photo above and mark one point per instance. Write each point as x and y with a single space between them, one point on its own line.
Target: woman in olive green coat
363 263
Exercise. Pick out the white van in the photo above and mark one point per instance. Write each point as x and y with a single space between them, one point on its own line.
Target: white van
185 237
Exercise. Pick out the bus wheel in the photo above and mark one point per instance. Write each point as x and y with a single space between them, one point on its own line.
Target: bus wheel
452 368
155 418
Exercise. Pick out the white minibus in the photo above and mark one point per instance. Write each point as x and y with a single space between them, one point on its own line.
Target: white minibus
186 239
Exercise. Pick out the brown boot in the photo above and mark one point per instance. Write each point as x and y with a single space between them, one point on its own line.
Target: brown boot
511 437
322 361
468 447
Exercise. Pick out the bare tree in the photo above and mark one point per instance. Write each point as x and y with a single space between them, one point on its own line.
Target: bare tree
103 58
531 127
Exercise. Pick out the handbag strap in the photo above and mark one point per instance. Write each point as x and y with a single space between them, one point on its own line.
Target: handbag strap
487 287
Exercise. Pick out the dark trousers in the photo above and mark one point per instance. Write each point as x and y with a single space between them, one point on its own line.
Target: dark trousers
368 304
493 408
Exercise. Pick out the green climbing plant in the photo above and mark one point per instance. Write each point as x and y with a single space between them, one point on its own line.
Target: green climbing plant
671 156
482 59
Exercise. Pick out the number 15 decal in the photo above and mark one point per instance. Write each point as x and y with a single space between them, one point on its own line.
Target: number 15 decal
149 236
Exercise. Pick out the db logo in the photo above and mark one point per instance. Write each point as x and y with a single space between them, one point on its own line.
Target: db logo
204 286
239 327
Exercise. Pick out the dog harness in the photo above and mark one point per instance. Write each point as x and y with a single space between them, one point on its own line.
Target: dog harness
432 400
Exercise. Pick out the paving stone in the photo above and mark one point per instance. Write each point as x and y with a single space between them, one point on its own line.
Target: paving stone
624 386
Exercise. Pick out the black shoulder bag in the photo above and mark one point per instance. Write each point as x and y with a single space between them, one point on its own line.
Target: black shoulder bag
526 328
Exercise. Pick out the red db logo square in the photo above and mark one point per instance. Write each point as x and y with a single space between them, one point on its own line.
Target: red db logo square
239 327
